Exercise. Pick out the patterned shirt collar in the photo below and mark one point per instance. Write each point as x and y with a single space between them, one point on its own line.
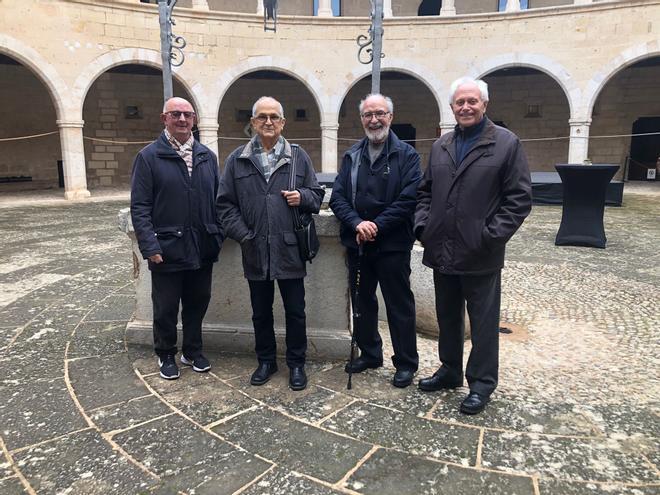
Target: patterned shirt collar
188 145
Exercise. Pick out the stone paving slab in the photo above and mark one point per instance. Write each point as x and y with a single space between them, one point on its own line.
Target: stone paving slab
189 457
97 339
294 444
402 431
279 481
594 459
81 463
555 487
12 486
33 412
129 413
114 380
389 472
113 308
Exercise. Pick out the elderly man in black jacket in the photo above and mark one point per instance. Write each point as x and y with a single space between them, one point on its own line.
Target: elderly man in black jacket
475 194
254 204
374 199
173 189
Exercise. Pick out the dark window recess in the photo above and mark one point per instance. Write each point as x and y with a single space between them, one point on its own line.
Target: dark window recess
132 112
533 112
644 150
60 174
429 7
301 114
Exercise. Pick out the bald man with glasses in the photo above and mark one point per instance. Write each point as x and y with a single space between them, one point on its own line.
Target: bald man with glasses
173 188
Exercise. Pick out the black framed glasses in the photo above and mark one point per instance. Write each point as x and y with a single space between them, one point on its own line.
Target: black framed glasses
175 114
263 118
379 115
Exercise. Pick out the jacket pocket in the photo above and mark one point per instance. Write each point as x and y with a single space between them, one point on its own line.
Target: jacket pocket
210 242
251 257
287 253
171 243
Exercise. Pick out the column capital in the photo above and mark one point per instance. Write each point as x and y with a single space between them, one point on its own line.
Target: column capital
330 126
208 126
70 123
579 122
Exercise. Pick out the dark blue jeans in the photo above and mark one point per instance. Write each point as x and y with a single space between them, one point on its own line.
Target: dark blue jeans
262 294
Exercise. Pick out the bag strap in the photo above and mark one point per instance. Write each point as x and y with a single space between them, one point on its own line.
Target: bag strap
295 214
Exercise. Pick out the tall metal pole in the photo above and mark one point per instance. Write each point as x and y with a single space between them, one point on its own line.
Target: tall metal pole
375 39
377 27
165 47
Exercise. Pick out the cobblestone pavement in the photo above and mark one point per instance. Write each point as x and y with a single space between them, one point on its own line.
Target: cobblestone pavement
577 410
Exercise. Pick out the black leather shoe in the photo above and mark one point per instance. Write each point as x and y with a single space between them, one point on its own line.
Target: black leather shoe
263 373
403 378
439 381
360 364
297 378
473 403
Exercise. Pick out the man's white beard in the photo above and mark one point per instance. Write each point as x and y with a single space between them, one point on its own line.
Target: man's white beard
377 135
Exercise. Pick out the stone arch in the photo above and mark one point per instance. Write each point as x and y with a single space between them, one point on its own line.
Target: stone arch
416 71
124 56
280 64
45 72
623 60
542 63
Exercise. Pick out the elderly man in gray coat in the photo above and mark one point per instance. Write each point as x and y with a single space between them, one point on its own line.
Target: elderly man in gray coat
474 195
254 205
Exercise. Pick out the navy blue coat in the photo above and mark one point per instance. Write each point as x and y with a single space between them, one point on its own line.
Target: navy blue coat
393 210
173 213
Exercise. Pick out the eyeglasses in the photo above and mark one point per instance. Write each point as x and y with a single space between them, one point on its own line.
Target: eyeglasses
175 114
261 118
379 115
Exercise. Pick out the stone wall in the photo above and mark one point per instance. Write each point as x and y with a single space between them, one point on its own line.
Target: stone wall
513 101
108 117
295 98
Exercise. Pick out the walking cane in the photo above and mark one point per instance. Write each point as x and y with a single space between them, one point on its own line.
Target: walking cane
356 316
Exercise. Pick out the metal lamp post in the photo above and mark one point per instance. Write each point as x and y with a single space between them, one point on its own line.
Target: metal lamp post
171 46
375 39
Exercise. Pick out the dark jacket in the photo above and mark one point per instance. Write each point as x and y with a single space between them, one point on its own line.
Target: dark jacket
255 213
465 215
173 213
399 171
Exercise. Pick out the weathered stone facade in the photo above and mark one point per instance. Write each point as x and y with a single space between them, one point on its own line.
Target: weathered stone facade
576 69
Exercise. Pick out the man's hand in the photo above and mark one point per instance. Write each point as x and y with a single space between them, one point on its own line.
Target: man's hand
366 231
292 197
156 258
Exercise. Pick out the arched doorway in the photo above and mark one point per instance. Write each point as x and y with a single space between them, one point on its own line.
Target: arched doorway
629 103
122 114
27 163
416 115
303 125
534 106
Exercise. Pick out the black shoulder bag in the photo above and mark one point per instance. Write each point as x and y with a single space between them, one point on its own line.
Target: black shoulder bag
303 224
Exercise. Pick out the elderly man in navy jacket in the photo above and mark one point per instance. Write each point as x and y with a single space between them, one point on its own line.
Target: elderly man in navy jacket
173 188
374 199
475 194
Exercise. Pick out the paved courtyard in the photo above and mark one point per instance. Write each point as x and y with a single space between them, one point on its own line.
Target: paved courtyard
577 409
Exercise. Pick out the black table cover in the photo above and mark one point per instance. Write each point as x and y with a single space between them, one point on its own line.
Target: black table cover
585 188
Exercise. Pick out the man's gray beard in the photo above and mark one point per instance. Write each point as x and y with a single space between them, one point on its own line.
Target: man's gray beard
377 136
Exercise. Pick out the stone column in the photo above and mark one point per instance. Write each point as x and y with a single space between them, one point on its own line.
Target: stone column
582 2
387 8
445 127
260 7
329 147
512 6
73 159
578 146
448 8
200 5
325 8
208 135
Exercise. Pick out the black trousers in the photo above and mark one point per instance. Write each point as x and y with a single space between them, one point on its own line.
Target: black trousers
191 288
482 294
392 271
262 294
